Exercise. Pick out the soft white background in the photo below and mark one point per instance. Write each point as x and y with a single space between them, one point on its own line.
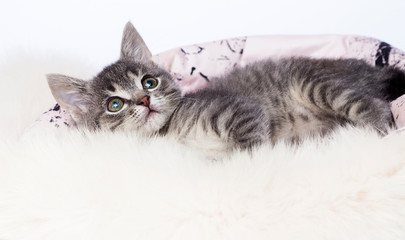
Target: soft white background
90 31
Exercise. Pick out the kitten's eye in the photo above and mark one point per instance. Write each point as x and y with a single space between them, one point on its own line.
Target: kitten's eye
115 104
149 83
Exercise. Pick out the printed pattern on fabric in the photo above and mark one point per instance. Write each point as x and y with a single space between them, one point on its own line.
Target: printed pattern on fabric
193 67
55 117
375 52
383 54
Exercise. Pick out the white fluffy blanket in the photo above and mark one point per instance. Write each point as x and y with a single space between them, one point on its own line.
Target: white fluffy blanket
113 186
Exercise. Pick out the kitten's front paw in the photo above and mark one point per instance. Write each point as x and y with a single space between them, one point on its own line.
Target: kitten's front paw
250 135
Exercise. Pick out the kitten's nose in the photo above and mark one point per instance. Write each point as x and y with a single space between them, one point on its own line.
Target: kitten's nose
143 101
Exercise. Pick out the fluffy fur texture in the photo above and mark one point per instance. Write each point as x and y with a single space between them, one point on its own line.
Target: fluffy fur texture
113 186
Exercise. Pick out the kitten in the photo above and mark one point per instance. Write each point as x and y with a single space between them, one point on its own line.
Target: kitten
266 101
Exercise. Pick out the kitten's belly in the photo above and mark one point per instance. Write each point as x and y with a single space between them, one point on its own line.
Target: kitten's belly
199 138
303 131
302 123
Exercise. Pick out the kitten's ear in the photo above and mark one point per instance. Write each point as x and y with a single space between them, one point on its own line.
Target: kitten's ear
132 45
71 94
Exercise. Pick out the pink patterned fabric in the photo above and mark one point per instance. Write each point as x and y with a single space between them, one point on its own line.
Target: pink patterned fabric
195 66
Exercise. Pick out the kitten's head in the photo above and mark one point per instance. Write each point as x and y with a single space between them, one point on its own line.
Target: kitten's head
131 94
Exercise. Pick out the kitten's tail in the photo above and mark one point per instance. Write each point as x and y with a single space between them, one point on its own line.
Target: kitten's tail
396 84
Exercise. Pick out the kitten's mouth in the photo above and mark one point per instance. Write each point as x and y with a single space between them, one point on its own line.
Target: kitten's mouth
151 112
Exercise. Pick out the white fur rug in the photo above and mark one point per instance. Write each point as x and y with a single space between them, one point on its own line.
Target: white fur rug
113 186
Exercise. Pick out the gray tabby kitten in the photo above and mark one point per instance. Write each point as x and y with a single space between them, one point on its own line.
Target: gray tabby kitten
266 101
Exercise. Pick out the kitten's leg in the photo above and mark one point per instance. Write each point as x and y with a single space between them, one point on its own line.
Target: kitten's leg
221 123
366 111
246 125
357 107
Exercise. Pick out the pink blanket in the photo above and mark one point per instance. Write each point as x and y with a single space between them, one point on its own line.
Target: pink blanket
194 66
